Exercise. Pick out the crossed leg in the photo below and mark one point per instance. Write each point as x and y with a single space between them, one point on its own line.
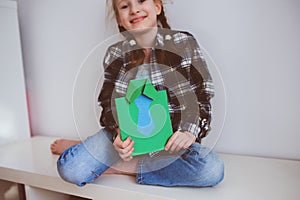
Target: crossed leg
121 167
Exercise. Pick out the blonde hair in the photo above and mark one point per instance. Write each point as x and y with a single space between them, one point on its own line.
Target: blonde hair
111 8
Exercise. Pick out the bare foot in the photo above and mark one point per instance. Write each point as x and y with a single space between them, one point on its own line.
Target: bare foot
58 146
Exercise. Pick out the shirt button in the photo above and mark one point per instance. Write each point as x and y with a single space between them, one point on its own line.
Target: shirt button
132 42
168 37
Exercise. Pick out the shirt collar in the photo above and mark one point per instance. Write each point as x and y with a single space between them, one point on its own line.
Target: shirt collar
161 36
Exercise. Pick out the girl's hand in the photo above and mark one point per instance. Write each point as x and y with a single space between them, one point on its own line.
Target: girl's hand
124 148
180 140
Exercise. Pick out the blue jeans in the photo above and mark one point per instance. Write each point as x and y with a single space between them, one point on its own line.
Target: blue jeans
196 167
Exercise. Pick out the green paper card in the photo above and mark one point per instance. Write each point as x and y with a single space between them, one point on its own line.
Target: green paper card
143 114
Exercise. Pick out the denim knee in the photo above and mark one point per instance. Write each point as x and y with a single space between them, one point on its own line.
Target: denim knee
68 175
214 169
84 162
207 167
218 170
73 171
197 167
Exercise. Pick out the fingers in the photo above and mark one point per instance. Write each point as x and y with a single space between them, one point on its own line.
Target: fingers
170 142
176 144
127 156
180 140
127 143
124 148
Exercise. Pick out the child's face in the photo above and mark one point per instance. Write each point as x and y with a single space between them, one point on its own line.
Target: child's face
137 14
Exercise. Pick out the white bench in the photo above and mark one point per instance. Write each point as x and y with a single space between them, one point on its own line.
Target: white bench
31 163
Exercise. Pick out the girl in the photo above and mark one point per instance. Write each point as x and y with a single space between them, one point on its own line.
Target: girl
172 61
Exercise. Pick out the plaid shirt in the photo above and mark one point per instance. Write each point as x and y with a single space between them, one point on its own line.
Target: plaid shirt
176 65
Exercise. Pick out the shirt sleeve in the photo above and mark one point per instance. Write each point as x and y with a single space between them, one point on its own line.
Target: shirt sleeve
112 63
197 123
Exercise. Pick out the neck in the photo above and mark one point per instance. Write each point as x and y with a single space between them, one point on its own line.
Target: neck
145 38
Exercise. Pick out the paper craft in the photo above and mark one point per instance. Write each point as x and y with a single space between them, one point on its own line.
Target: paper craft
143 115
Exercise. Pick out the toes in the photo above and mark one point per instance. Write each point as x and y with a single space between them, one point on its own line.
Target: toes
53 147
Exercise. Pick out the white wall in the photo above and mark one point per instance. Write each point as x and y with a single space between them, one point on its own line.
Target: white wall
14 122
56 37
255 45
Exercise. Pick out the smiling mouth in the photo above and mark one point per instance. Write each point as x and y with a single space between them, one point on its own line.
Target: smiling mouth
137 19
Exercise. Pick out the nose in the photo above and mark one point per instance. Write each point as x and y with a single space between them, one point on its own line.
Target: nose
135 7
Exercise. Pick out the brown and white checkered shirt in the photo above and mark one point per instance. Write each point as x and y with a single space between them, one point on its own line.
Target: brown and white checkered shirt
176 65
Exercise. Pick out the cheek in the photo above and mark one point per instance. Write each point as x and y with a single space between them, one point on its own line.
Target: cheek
121 18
